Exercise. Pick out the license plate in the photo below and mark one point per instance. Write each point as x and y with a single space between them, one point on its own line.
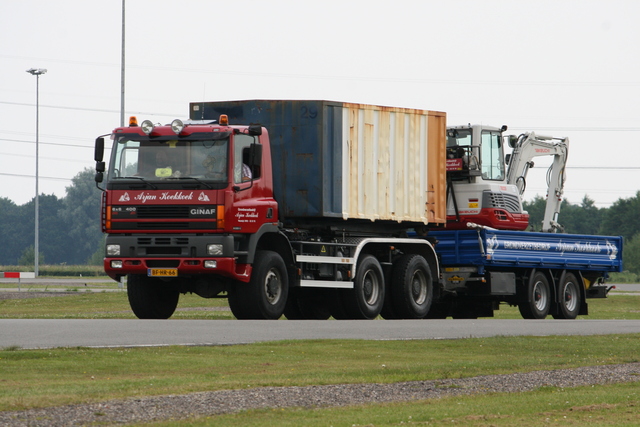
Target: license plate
162 272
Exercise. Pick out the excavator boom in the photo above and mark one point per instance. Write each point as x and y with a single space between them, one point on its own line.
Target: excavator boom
525 148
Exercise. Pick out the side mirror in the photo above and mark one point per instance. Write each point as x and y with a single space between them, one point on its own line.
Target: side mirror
255 129
98 154
100 167
513 141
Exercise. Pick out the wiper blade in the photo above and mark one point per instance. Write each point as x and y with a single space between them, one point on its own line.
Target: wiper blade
138 178
199 181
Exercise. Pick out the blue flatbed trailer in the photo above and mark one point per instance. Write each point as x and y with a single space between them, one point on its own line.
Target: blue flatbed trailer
541 273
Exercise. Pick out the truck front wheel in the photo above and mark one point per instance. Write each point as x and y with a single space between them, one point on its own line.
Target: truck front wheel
265 296
568 298
151 298
538 300
411 287
366 298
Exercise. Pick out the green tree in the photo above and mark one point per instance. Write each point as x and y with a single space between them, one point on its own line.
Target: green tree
52 233
81 212
28 258
621 218
631 254
536 212
98 256
10 232
584 218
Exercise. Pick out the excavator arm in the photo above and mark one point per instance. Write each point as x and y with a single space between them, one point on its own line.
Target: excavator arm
525 148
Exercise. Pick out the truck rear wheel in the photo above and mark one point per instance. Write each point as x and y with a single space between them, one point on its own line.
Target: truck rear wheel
538 298
151 298
411 287
568 298
265 296
307 304
366 298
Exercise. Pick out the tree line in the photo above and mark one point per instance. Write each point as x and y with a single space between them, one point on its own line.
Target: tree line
69 228
69 231
620 219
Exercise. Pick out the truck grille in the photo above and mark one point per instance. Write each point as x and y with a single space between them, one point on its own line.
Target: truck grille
159 212
163 241
164 217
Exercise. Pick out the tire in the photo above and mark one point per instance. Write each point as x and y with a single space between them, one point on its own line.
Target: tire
366 299
568 298
151 298
411 287
265 296
538 298
439 310
336 303
307 304
388 312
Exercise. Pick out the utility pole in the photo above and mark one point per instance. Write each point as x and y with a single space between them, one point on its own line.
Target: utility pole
122 72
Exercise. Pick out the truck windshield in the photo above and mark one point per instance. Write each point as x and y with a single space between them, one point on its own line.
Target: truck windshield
160 160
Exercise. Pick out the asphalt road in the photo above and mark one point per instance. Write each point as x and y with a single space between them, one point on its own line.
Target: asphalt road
43 333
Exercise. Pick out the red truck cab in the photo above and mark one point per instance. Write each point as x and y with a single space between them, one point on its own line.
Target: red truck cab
183 199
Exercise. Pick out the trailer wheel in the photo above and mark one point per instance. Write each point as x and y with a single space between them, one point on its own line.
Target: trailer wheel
151 298
366 299
538 298
411 287
265 296
568 298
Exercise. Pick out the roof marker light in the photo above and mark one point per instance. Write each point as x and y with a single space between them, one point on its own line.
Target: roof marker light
177 126
224 120
147 126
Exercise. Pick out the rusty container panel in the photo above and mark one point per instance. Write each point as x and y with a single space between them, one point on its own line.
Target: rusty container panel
349 161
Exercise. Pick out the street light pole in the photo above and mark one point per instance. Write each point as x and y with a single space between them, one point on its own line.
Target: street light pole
37 72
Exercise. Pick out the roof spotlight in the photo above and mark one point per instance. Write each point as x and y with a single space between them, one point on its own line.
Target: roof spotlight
177 126
147 126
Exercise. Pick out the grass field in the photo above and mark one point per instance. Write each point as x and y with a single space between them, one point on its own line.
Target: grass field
42 378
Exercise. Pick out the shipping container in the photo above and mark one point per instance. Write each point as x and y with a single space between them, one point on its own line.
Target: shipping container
349 161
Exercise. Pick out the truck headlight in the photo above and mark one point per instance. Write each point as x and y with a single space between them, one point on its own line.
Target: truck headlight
116 264
113 250
210 263
214 250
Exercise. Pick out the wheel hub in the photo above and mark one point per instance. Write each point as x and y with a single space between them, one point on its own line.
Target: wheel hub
273 287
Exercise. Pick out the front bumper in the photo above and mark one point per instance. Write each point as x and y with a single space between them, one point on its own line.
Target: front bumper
187 253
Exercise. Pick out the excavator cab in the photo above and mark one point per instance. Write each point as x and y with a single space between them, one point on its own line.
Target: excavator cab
477 187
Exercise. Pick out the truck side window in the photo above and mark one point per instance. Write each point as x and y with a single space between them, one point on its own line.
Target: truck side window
242 172
126 160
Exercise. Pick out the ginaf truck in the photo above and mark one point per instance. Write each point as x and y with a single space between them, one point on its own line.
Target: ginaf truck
318 209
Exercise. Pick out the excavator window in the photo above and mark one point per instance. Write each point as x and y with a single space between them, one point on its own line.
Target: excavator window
492 156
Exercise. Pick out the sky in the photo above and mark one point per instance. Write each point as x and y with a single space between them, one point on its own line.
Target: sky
560 68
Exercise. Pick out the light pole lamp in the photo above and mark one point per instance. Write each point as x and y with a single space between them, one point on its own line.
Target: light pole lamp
36 250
